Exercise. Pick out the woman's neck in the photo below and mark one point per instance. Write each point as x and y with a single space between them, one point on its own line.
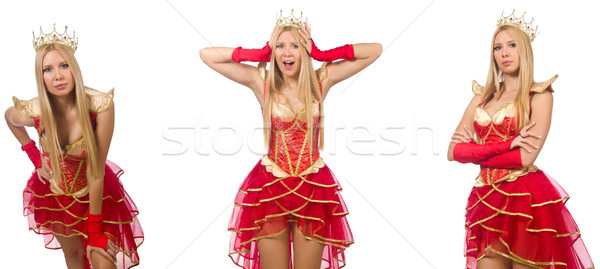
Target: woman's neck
290 83
510 83
63 104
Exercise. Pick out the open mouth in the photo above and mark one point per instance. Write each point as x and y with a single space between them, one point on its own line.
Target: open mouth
288 64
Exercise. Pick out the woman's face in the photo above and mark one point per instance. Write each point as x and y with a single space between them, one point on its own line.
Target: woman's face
57 74
287 54
506 53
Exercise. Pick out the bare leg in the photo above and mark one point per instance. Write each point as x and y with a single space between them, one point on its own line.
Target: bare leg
520 266
307 253
74 251
99 262
494 261
274 251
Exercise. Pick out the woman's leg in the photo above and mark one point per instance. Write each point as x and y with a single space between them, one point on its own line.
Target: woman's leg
307 253
520 266
74 251
494 261
274 251
100 262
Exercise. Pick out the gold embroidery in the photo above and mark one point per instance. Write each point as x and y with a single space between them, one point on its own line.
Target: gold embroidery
540 87
477 89
98 101
28 108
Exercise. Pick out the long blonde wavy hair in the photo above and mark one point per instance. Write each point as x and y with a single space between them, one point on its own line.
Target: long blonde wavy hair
308 89
54 149
525 78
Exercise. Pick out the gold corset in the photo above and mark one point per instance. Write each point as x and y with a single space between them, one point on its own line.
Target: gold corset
497 128
73 168
290 154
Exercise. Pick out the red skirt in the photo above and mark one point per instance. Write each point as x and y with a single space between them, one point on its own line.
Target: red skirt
265 205
52 214
526 221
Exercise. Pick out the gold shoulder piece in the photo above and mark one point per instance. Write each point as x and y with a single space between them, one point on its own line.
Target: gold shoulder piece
98 101
540 87
477 89
28 108
262 71
322 74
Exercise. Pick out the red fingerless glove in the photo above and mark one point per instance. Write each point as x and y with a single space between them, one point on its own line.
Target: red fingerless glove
240 54
510 159
33 153
95 236
472 152
343 52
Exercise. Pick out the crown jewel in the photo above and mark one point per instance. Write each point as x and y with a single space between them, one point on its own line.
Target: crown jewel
526 27
290 20
55 37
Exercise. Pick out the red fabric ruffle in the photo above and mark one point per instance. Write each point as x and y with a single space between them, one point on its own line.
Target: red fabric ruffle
51 214
526 221
265 205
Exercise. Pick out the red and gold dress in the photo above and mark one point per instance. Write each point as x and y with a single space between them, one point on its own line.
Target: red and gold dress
519 213
60 207
291 184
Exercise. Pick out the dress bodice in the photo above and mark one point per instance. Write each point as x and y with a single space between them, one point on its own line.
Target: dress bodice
290 153
290 148
499 127
73 164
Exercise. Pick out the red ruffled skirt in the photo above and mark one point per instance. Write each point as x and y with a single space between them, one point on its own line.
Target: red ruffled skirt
265 205
52 214
525 221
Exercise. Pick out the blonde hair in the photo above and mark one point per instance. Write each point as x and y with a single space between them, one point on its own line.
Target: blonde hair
308 89
525 78
46 107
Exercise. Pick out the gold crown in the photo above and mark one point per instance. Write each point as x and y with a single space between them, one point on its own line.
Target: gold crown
55 37
526 27
290 20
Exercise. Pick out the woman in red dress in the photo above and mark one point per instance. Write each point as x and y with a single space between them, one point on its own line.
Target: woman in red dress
516 215
289 205
74 197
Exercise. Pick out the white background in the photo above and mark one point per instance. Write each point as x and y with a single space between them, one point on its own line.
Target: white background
407 209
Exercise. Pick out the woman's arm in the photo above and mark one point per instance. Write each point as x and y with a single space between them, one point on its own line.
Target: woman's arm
465 122
541 115
364 55
219 59
16 123
525 147
105 123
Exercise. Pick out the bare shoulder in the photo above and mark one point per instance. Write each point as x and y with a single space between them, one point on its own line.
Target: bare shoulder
543 99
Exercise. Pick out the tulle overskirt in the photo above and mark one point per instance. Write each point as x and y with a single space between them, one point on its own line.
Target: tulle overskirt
54 215
525 221
266 206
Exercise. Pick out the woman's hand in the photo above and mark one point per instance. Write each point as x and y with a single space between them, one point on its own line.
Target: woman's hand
110 253
306 40
272 40
463 137
44 173
523 143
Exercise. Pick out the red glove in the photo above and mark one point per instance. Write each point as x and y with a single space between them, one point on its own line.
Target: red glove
510 159
95 236
472 152
343 52
33 153
253 55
